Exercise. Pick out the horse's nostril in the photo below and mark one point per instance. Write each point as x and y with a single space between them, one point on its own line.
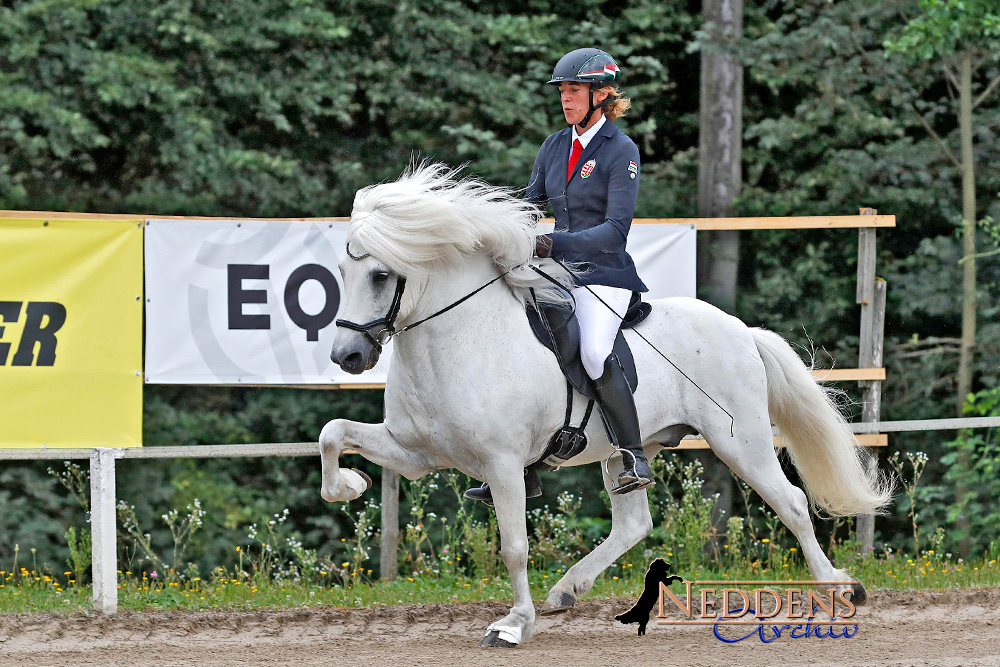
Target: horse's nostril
353 361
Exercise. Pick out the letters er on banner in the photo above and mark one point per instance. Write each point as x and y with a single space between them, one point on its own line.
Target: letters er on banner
70 333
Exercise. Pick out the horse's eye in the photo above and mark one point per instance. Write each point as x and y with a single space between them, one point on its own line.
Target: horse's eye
380 276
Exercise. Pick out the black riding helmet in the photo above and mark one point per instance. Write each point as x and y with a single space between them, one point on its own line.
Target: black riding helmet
591 66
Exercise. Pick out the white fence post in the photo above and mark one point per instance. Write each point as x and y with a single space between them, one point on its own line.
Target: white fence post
103 529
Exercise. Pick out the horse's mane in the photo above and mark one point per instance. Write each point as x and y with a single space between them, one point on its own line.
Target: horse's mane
430 217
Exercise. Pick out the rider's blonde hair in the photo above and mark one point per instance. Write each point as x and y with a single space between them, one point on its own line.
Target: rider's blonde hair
617 108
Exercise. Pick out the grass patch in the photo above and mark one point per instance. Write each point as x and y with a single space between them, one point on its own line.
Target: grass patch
31 591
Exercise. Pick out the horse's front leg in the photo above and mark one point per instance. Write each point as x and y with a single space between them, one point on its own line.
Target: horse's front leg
630 522
372 441
508 498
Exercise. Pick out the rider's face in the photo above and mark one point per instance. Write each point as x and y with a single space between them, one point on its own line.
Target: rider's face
575 103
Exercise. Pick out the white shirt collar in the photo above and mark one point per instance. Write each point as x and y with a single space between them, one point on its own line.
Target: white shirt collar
589 134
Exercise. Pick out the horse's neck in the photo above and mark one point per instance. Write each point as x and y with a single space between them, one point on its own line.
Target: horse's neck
468 328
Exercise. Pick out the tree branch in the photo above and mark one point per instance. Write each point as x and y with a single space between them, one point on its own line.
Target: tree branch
979 255
924 342
989 89
916 354
982 61
936 137
951 75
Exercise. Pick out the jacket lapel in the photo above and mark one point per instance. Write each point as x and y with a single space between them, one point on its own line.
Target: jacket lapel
606 131
563 147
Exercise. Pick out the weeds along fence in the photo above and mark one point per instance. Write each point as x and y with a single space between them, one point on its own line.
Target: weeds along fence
103 499
870 374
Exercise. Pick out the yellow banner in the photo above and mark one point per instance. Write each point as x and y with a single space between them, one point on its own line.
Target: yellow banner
70 333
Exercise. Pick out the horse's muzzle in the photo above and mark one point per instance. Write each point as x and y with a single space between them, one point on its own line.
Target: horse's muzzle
355 359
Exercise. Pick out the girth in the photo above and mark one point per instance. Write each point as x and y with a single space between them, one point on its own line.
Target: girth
568 441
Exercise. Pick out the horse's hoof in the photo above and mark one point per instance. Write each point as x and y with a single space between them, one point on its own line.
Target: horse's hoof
860 597
368 480
492 640
565 602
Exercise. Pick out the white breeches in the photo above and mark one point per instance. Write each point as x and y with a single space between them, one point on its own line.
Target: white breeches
598 325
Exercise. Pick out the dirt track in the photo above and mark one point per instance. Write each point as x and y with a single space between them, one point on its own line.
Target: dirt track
944 629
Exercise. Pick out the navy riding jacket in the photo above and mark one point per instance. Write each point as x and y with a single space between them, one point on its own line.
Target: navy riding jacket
594 210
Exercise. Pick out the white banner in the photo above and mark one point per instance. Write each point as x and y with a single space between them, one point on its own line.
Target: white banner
251 302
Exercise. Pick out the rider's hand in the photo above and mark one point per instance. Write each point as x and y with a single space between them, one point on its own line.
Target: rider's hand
543 245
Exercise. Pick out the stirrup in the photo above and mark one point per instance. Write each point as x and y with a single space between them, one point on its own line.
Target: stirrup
633 481
637 484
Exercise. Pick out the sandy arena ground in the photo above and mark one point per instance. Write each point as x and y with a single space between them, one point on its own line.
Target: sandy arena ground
944 629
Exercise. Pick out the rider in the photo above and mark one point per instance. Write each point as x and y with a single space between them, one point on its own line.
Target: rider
589 172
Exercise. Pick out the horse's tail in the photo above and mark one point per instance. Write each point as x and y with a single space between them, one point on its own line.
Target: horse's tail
832 467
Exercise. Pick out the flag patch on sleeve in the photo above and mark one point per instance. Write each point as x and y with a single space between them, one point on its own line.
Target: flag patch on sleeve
633 167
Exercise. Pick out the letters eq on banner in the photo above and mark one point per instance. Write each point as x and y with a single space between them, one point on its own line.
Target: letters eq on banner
254 302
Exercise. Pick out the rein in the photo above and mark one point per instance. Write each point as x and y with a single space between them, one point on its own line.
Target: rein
732 420
388 322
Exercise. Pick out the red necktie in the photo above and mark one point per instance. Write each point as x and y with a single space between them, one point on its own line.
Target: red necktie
574 157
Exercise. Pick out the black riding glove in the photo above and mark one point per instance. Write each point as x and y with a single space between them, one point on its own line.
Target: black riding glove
543 245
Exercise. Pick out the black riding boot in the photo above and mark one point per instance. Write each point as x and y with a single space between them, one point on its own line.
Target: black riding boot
618 411
532 489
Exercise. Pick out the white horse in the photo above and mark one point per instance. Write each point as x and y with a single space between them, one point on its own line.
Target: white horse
472 388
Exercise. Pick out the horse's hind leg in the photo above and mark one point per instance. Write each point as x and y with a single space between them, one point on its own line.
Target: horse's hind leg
751 455
630 522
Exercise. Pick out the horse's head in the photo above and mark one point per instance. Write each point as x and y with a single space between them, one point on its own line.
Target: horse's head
419 226
372 292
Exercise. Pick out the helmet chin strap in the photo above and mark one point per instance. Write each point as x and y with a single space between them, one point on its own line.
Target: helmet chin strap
593 107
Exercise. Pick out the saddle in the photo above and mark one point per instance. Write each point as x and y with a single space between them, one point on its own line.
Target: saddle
558 321
555 326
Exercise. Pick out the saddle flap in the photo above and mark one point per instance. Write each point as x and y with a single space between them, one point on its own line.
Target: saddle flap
637 311
559 320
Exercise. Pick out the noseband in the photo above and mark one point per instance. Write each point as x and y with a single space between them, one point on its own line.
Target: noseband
380 331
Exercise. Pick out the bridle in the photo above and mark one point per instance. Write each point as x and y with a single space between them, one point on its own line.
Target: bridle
379 331
382 330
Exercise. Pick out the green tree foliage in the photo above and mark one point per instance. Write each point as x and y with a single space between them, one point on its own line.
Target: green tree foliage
288 107
944 28
973 462
959 38
829 129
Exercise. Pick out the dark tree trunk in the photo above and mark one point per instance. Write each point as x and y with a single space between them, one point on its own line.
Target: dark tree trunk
721 129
